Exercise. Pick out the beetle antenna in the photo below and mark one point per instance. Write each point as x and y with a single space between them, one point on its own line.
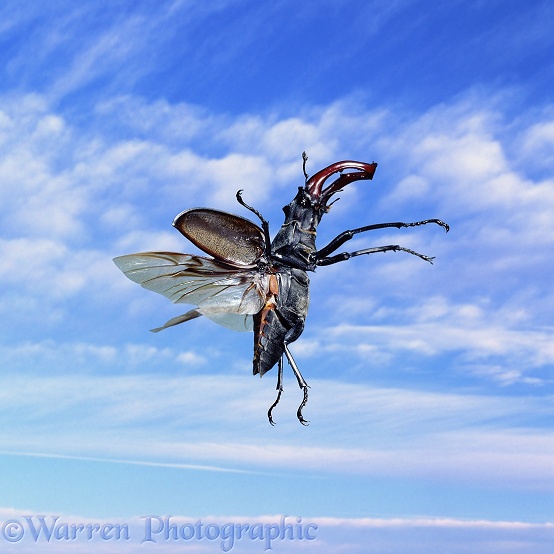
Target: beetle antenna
304 160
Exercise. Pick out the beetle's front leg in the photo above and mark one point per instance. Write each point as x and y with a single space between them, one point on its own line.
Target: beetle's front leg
265 223
347 235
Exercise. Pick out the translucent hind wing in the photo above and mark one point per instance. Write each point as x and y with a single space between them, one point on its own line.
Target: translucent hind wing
215 287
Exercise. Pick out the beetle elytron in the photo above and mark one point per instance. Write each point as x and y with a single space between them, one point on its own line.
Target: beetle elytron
252 283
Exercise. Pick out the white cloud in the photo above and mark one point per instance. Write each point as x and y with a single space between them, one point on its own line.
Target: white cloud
478 334
377 431
488 301
76 357
538 144
431 522
191 358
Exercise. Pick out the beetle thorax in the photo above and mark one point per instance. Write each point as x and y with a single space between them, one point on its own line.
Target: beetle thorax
295 241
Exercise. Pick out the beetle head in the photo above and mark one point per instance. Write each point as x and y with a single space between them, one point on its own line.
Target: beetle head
303 210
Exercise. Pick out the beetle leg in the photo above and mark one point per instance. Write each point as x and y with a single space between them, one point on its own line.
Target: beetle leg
347 235
265 223
301 383
347 255
279 389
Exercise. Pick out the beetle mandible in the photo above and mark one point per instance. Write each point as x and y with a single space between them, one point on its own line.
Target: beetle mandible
252 283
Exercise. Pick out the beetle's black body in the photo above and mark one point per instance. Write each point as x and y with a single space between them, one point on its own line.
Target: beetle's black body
281 321
253 283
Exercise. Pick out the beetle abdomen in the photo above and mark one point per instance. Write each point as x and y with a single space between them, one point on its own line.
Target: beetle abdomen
269 333
281 321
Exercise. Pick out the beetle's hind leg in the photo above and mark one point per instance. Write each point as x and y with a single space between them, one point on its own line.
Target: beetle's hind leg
279 391
301 383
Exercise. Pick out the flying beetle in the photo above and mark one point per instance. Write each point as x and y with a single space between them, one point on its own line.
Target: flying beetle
251 283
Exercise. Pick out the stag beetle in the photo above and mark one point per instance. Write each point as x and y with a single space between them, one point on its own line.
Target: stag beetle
252 283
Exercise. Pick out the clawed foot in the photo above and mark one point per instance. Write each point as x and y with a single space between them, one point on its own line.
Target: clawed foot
299 411
304 401
273 406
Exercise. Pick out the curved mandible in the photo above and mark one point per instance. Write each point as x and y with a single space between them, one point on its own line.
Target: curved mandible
314 185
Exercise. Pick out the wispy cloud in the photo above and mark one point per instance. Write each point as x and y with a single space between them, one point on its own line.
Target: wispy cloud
430 384
476 337
451 437
461 170
122 461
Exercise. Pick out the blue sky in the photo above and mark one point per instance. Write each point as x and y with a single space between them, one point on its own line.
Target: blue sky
431 396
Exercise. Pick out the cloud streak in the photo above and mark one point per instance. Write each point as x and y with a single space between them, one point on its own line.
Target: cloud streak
455 438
